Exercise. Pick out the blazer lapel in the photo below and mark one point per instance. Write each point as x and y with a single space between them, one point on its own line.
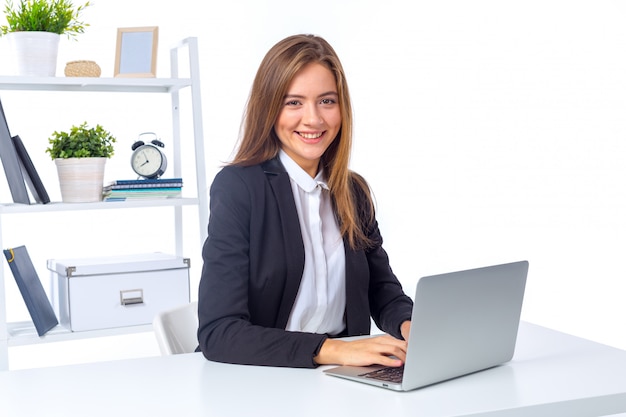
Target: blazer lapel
278 180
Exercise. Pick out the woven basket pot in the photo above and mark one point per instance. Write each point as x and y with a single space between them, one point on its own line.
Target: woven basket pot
82 69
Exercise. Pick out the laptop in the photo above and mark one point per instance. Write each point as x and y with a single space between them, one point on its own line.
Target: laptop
462 322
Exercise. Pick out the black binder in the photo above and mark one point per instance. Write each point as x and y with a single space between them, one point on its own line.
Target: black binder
32 291
11 164
31 176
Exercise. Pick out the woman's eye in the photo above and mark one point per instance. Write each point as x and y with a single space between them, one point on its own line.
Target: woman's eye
292 103
328 101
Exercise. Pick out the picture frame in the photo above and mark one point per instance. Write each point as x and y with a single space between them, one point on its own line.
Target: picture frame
136 52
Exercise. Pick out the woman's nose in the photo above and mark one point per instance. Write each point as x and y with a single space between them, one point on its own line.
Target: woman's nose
312 116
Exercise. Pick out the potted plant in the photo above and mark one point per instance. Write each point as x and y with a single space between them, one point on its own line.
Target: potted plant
80 156
34 28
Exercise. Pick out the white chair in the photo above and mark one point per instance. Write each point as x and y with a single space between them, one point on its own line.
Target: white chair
176 329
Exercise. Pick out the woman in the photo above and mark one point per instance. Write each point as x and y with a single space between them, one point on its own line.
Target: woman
293 257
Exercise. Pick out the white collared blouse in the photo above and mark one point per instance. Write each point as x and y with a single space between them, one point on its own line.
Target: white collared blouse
321 299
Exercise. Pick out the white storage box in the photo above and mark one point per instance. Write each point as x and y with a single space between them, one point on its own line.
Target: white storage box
107 292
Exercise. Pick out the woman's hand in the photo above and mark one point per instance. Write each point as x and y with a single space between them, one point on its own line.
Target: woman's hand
363 352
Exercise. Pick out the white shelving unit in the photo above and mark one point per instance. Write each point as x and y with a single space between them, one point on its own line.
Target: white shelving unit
24 333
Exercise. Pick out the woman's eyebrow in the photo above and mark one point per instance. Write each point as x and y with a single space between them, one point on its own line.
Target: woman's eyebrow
328 93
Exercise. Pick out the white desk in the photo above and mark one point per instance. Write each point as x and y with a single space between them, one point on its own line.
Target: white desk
552 374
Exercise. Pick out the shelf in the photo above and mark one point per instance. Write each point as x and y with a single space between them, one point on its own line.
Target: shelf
94 84
103 205
24 333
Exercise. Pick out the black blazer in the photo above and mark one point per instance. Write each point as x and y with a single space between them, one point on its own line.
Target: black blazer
253 262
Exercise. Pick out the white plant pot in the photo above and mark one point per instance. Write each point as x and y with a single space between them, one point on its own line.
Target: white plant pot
35 52
81 179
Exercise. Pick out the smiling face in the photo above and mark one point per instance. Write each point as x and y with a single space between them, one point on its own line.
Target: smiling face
310 118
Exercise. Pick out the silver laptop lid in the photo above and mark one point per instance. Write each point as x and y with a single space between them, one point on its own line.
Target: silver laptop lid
464 322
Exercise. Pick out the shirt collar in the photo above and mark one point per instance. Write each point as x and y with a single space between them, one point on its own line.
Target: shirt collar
299 176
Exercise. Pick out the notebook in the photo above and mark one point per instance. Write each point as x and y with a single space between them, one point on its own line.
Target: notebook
462 322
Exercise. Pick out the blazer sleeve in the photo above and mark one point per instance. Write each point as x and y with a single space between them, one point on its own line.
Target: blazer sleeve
227 332
389 305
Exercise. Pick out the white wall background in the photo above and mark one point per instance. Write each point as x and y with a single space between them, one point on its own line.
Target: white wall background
490 131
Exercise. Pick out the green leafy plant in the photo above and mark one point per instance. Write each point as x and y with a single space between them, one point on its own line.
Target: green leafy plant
56 16
81 142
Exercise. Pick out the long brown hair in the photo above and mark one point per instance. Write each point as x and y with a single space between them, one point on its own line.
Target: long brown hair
259 143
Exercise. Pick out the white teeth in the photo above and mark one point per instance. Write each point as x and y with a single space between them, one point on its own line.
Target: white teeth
311 135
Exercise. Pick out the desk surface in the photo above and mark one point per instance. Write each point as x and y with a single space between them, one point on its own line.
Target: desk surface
552 374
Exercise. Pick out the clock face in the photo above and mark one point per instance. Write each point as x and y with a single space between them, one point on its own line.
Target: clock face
148 161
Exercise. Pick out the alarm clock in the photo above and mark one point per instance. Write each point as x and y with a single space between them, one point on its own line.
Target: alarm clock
148 159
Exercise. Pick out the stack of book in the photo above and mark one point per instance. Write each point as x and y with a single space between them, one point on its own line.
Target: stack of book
123 190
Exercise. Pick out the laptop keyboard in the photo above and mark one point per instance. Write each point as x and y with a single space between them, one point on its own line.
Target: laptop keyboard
389 374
